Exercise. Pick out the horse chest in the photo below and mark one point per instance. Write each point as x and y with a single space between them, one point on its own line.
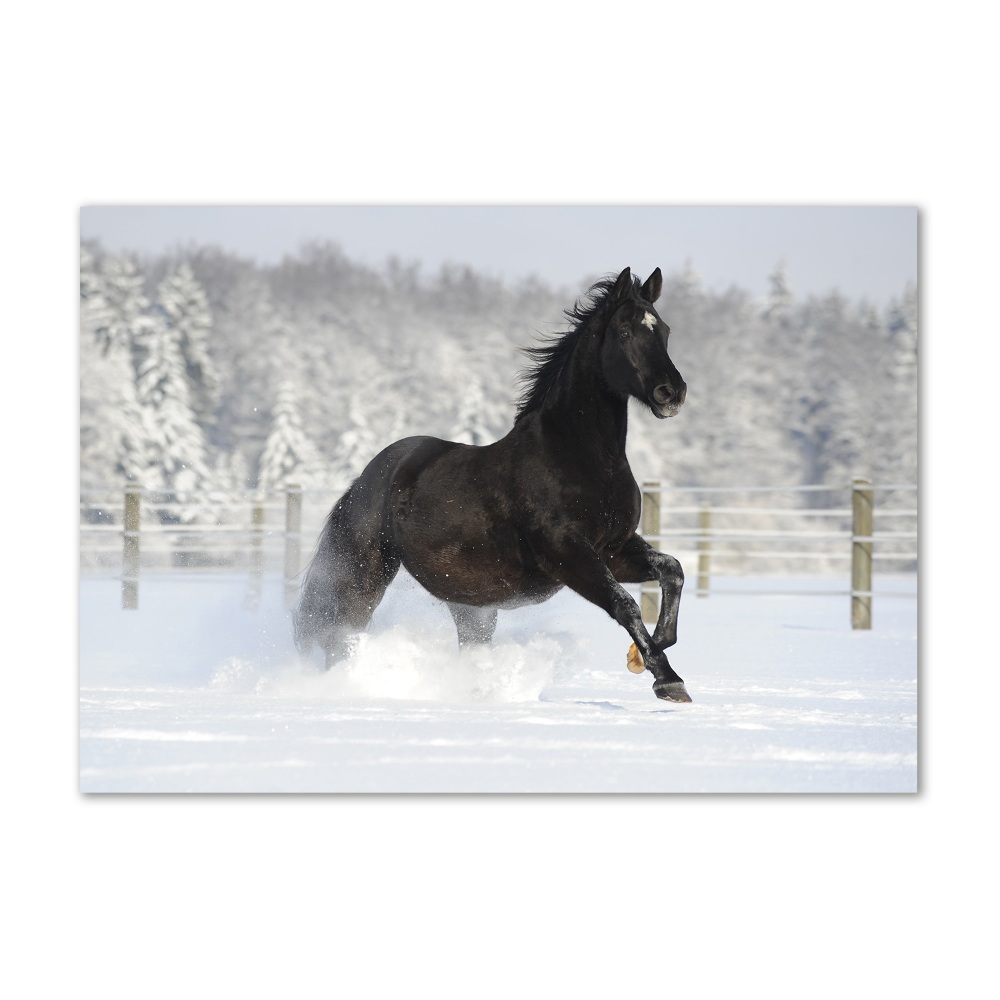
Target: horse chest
610 512
622 511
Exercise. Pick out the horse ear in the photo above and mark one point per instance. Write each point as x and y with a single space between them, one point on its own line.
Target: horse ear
622 287
653 286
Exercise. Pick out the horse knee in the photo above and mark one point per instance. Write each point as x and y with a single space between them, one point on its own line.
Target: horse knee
670 573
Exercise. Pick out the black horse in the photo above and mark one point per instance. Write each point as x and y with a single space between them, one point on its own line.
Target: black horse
553 504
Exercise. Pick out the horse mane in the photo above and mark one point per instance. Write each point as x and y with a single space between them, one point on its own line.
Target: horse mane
552 356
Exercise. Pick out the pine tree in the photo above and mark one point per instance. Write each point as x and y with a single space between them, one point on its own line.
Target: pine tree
112 439
779 389
122 289
95 312
470 426
357 445
778 305
289 456
177 449
231 475
688 282
903 373
251 330
186 309
902 324
832 421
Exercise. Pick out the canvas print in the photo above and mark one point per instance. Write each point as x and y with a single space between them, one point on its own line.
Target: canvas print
520 499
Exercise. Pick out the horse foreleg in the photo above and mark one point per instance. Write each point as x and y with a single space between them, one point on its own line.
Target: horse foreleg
638 562
578 566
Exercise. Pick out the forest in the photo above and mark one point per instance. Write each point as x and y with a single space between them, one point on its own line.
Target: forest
202 370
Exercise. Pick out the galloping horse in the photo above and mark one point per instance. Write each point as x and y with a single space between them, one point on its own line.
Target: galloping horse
552 504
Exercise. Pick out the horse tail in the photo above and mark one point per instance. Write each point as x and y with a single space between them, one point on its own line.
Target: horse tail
355 559
315 614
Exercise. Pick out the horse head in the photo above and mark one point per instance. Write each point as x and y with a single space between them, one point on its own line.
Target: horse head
634 354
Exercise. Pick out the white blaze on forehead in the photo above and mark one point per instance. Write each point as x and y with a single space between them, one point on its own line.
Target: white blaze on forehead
649 320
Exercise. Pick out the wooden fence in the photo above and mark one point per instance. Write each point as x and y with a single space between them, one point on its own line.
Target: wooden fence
145 531
718 533
827 530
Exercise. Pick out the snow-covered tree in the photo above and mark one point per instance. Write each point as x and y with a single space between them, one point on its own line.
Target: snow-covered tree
95 312
470 426
833 419
779 301
901 401
122 289
902 324
176 446
252 335
358 444
185 307
779 390
289 456
231 474
687 282
112 438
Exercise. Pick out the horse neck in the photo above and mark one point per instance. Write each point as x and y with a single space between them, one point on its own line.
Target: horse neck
583 407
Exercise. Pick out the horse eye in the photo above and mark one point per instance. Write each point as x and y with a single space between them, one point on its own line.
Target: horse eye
624 333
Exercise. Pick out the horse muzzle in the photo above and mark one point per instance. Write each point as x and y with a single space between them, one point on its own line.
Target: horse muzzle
667 399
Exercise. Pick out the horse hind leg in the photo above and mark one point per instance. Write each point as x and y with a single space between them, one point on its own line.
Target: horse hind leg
356 558
475 625
357 593
354 602
344 585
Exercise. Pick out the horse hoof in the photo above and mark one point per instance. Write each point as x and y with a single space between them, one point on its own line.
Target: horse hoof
671 691
634 660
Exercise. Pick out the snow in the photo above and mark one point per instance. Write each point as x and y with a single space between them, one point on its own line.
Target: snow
198 692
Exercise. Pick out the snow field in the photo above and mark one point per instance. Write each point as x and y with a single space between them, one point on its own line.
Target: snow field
194 692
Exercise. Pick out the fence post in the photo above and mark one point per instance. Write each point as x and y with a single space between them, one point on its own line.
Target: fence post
863 502
130 547
293 540
649 595
256 551
704 526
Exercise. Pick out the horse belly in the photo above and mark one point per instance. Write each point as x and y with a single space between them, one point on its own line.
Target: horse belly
459 559
475 574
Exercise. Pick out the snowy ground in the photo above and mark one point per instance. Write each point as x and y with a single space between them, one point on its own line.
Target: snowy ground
194 692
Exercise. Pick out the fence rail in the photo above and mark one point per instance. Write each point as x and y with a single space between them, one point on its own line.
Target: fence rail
714 531
815 528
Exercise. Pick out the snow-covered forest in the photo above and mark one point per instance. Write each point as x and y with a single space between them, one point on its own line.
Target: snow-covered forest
203 370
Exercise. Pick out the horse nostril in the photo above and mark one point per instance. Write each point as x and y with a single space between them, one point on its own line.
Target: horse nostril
663 394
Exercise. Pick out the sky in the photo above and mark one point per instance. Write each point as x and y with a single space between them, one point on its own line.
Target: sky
865 252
